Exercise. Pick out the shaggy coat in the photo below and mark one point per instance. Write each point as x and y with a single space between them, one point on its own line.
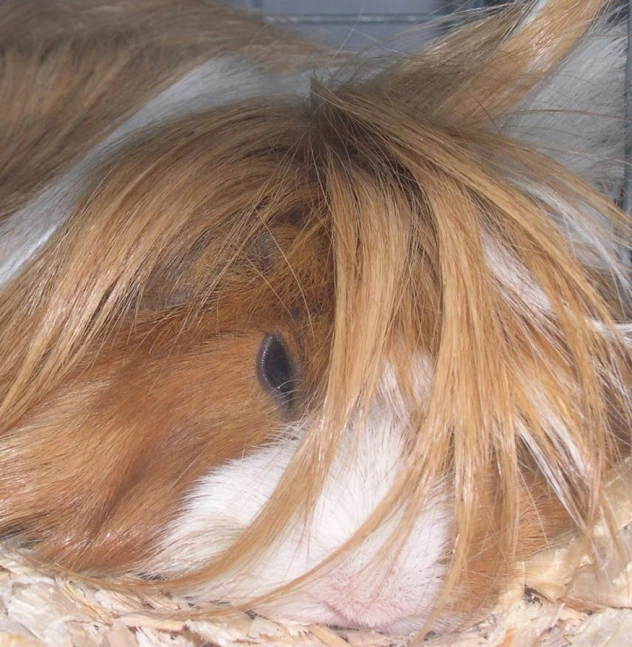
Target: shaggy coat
337 340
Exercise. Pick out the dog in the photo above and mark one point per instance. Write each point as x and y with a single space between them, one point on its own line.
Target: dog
338 340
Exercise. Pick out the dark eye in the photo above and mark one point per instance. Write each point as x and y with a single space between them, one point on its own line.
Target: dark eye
275 369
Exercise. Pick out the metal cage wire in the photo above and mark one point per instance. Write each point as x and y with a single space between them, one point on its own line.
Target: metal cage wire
627 189
355 24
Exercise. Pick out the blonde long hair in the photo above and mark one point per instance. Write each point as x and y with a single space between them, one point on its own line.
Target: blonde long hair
404 177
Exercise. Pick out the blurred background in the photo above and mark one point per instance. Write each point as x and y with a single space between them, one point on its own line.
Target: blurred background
355 24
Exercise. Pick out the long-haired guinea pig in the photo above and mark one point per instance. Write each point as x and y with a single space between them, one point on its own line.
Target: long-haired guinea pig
340 341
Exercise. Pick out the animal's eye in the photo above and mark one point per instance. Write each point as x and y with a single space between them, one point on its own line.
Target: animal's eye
275 369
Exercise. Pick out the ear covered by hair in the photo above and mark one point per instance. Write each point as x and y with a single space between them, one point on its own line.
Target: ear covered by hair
337 341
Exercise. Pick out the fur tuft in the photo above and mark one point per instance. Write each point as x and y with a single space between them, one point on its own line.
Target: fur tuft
434 247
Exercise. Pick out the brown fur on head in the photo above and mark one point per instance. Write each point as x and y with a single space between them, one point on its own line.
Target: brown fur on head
441 291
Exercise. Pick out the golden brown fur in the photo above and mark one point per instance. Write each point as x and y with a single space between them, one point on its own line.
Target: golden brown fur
353 224
72 70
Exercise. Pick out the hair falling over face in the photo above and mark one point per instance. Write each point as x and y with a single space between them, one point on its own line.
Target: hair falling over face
340 341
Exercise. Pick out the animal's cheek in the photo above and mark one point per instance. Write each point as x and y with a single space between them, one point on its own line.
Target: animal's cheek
103 466
362 587
200 412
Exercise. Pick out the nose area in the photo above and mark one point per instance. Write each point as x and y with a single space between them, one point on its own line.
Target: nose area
384 581
370 588
379 601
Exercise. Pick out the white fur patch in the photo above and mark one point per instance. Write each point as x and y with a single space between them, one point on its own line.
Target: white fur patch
576 117
356 590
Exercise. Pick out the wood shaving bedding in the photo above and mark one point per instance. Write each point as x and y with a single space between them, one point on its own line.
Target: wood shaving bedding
559 599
